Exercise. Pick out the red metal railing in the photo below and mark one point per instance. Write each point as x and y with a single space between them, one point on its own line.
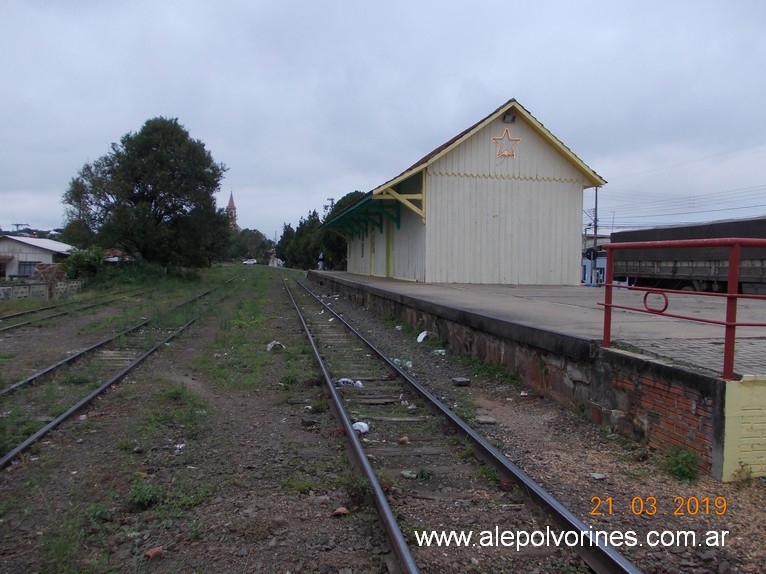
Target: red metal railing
732 295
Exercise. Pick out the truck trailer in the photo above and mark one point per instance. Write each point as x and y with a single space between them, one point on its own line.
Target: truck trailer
692 269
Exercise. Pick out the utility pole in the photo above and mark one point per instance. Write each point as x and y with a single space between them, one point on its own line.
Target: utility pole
595 221
594 266
19 225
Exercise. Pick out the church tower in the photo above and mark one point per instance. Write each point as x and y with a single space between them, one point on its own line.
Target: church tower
231 209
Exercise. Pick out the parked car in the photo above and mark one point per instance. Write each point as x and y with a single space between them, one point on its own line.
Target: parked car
249 262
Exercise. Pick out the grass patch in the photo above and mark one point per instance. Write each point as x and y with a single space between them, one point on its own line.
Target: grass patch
358 489
289 379
489 474
239 360
466 452
466 409
186 495
743 476
144 494
61 545
15 427
320 406
181 407
424 474
682 464
76 379
488 371
300 485
98 512
173 407
7 504
125 444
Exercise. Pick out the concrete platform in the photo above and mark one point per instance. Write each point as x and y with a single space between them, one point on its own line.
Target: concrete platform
574 312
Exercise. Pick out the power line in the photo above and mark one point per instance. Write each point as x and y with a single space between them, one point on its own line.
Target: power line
724 195
734 153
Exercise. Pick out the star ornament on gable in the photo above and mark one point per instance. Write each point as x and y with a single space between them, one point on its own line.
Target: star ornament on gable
506 145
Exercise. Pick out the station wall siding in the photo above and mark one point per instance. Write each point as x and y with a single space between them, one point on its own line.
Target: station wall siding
510 220
745 428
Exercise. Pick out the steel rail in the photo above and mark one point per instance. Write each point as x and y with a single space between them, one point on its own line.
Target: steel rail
46 308
70 359
105 300
601 558
19 449
12 454
390 524
54 315
87 350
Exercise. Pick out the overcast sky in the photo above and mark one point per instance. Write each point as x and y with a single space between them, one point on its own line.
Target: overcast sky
312 99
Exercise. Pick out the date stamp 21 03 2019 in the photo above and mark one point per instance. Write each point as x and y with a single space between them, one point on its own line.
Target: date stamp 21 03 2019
650 506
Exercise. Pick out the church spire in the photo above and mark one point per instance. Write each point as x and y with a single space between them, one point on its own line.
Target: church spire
231 209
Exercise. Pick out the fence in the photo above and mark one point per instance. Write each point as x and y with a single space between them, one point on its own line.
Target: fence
732 295
17 291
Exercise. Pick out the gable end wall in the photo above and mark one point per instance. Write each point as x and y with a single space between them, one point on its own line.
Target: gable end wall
510 220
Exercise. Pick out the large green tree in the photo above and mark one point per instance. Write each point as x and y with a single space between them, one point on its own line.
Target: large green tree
285 241
304 247
153 196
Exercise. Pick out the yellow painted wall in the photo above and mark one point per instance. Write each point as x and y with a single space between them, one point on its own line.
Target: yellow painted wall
745 427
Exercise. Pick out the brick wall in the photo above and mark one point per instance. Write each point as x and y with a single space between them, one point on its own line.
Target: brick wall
665 406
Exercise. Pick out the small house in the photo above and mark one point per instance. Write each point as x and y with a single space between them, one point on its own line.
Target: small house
20 255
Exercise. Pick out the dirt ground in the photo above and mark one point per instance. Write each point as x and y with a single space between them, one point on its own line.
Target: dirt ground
178 470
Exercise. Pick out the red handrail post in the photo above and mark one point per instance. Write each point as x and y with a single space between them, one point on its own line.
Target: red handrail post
608 298
732 293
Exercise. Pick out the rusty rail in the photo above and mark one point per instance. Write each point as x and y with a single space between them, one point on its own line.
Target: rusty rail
732 295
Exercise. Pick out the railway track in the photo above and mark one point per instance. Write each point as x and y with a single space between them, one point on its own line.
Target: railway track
41 314
38 404
428 470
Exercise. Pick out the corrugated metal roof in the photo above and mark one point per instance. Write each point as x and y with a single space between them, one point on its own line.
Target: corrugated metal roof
47 244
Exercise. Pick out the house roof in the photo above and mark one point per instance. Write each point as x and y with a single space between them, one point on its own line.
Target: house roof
511 105
592 178
47 244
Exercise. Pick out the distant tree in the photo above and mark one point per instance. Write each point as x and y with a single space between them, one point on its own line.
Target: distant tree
284 243
300 247
304 249
77 232
334 244
251 244
153 196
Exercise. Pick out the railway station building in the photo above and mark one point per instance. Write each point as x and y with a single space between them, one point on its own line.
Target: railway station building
499 203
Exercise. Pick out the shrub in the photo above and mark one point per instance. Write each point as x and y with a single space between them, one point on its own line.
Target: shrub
83 263
682 464
145 493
